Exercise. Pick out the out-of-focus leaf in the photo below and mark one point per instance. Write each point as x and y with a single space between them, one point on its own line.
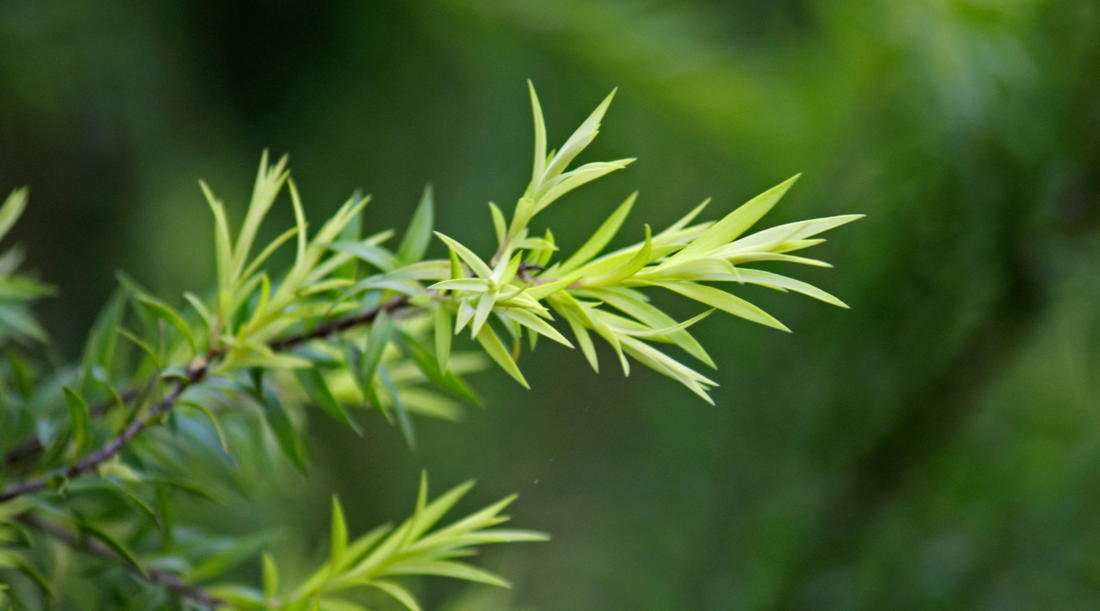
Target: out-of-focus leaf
13 207
24 382
419 233
443 331
317 389
401 594
375 255
213 420
339 533
168 314
270 577
80 421
232 554
403 419
22 323
140 343
429 365
279 421
112 543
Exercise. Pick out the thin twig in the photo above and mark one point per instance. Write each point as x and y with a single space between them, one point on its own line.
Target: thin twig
97 549
32 446
194 375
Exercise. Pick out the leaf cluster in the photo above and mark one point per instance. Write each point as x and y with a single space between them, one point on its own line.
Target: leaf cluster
201 400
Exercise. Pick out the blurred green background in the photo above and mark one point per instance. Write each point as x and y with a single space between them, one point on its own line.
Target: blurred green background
936 447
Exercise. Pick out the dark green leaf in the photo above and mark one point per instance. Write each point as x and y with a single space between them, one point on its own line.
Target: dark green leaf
112 543
429 365
317 389
80 421
402 415
279 421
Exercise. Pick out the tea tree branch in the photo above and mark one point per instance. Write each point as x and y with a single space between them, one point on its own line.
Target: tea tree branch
388 316
194 375
91 547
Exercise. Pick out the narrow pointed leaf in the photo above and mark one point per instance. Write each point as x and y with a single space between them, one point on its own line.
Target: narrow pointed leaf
315 386
79 420
735 223
496 350
476 264
419 233
602 237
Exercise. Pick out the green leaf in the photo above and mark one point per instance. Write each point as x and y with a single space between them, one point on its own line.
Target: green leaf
236 553
22 322
584 339
471 285
601 238
271 577
13 207
496 350
734 224
339 543
99 349
268 250
317 389
456 570
684 220
114 544
381 332
223 250
540 139
401 594
625 301
419 233
536 324
80 421
582 175
165 312
279 421
776 281
134 499
213 420
443 331
429 366
484 307
580 139
629 268
666 330
403 419
364 543
725 302
24 382
662 363
336 604
476 264
375 255
499 224
140 343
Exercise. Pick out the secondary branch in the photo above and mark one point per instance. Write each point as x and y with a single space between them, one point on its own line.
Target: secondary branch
194 375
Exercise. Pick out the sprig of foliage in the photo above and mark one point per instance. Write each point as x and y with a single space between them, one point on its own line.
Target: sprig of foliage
167 402
373 559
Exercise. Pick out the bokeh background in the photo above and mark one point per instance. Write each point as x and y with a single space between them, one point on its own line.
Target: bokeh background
935 447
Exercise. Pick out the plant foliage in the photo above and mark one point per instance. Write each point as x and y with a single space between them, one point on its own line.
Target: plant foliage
168 401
